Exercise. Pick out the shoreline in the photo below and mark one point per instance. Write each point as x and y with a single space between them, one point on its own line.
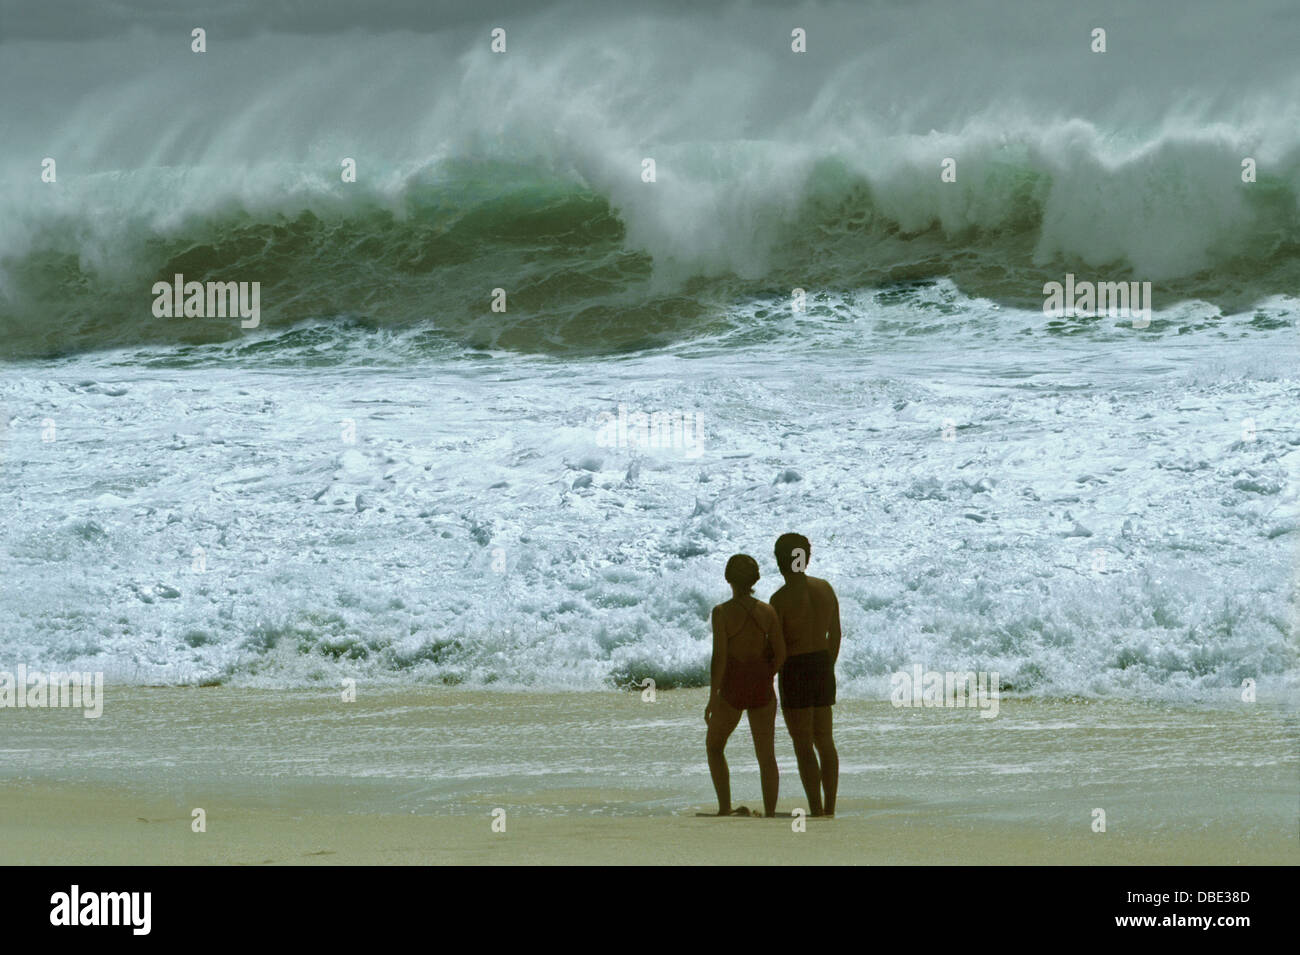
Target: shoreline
413 777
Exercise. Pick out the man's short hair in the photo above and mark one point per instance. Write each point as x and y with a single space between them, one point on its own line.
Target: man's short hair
788 548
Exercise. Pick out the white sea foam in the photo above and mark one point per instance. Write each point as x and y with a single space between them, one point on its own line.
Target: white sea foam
1099 522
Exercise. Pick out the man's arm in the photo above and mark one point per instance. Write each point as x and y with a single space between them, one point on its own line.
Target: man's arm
833 625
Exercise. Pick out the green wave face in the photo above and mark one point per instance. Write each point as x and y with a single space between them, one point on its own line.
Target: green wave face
576 277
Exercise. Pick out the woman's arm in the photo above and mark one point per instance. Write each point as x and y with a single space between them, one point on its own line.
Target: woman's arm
718 666
778 642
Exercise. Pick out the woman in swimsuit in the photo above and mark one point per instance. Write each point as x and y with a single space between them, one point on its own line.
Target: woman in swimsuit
748 650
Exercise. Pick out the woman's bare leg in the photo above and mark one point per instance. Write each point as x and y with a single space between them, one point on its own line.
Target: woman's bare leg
762 726
723 720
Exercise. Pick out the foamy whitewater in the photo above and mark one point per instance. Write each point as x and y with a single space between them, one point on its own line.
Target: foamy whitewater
387 480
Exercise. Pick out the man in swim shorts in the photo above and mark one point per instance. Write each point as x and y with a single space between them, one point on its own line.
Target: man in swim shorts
810 622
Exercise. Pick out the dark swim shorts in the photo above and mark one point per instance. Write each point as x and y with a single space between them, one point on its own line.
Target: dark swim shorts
808 679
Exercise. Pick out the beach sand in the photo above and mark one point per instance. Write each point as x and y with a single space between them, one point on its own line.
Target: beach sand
412 776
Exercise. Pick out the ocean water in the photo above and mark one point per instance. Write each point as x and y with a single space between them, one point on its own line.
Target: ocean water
389 480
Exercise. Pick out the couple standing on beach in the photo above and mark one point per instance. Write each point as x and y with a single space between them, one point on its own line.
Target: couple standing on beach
798 636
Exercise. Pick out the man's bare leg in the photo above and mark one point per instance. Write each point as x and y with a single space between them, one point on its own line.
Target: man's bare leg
828 758
762 726
721 723
800 724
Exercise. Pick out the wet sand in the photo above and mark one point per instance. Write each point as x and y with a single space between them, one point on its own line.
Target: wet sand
414 776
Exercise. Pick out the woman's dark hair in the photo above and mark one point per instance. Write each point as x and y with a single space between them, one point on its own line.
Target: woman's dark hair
742 570
787 548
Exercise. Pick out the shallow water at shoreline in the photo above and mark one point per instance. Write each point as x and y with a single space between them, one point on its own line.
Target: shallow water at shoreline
456 750
414 776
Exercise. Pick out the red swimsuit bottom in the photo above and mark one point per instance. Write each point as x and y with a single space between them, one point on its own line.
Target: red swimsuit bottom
747 684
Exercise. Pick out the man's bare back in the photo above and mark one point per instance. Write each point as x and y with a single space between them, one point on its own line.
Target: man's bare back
810 617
